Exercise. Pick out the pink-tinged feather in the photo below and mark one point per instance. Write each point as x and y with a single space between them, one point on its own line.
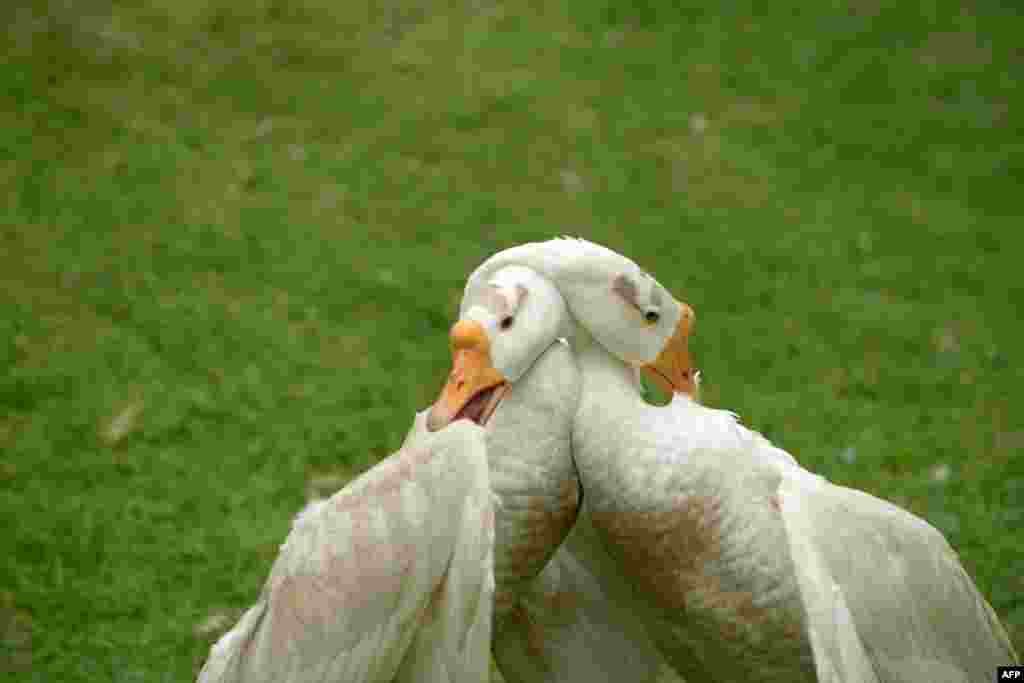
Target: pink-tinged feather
355 575
487 517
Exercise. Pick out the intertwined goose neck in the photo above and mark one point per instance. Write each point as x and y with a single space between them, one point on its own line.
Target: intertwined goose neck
608 381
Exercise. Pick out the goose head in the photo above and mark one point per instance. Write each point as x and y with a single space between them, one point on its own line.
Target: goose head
504 325
626 310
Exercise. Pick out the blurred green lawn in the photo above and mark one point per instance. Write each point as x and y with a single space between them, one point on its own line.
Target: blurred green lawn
235 234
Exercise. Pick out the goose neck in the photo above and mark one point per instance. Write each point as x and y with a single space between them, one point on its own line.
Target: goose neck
606 381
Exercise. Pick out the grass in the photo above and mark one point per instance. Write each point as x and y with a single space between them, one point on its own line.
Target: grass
234 237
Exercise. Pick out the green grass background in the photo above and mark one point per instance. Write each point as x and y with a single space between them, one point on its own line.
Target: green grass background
234 235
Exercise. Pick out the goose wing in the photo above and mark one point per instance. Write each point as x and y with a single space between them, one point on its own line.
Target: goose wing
887 597
390 577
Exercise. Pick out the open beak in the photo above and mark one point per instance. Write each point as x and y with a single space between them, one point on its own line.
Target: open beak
474 387
673 369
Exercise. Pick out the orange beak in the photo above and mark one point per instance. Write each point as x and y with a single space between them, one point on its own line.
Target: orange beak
474 387
673 369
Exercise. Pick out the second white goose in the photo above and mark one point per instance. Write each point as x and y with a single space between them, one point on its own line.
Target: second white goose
741 564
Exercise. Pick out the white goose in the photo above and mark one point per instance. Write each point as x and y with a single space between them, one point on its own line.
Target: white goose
393 578
743 565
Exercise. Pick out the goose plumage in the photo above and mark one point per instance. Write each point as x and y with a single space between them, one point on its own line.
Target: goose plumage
741 564
399 576
389 579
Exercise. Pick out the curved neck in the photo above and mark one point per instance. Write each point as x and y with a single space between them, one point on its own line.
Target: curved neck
606 380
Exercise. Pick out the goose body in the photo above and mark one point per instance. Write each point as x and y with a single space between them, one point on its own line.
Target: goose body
691 530
751 568
741 564
399 576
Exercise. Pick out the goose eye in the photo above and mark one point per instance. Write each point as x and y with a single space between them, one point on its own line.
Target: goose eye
652 316
507 322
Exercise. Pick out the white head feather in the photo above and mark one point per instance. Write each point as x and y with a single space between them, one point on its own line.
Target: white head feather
522 313
607 293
